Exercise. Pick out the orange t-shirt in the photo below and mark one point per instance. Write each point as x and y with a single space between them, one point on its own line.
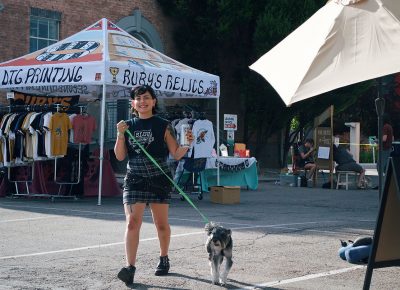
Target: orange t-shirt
59 126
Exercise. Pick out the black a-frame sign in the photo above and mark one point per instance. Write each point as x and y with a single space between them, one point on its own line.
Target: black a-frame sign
385 250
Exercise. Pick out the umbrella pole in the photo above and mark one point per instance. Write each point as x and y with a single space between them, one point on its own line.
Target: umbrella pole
218 181
380 109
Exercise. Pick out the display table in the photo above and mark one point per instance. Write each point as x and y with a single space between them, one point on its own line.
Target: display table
234 171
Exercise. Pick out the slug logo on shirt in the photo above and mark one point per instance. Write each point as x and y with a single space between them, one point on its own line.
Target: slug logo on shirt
58 131
145 138
201 136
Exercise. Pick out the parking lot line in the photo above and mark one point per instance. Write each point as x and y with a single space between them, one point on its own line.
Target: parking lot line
155 238
91 247
62 209
304 278
27 219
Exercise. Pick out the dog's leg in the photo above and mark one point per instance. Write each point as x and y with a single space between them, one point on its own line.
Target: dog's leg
225 272
214 274
228 263
215 266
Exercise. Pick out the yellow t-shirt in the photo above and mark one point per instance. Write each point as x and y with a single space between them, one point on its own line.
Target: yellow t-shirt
59 126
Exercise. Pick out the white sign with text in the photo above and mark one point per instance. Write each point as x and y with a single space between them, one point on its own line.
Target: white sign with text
230 122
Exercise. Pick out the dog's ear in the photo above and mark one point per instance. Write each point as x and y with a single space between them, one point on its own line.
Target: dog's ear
208 228
229 232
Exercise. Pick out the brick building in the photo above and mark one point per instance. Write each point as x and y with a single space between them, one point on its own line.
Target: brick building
28 25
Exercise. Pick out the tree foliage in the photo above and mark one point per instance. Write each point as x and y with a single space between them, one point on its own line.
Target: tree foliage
226 36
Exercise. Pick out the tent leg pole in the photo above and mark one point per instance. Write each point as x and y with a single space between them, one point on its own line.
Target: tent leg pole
102 129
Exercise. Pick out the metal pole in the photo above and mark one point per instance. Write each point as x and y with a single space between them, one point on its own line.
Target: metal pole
218 154
103 110
380 109
101 156
368 276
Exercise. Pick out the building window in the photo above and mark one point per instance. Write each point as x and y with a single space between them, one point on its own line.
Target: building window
141 37
44 28
138 26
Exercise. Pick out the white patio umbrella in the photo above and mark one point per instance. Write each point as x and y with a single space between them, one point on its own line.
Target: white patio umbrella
345 42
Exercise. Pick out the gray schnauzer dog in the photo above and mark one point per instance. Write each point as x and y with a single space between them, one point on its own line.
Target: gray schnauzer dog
219 245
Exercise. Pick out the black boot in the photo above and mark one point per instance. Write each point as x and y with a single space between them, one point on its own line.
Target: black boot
162 267
127 274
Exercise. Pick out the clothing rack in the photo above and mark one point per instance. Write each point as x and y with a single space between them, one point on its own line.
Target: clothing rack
10 109
22 181
61 183
43 108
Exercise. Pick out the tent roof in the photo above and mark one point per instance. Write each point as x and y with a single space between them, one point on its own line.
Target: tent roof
104 54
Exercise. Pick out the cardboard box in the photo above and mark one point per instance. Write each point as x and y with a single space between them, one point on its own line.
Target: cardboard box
225 194
240 150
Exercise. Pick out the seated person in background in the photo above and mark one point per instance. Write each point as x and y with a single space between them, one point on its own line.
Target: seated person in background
307 156
345 162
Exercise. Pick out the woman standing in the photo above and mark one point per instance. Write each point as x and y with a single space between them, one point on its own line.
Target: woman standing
157 136
387 141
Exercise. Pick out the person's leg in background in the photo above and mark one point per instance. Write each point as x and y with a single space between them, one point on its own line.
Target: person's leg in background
312 167
385 160
355 167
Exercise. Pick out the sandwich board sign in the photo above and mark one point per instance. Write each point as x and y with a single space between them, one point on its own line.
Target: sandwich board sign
385 250
323 142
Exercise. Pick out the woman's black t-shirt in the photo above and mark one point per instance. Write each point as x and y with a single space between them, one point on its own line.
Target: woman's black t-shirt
150 134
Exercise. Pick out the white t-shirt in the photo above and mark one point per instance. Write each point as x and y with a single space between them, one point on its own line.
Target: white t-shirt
34 138
47 136
178 127
71 132
204 139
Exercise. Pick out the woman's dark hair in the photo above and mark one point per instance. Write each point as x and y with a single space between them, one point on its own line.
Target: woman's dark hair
309 140
140 90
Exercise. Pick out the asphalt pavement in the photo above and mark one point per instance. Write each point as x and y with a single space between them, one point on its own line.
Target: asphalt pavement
284 238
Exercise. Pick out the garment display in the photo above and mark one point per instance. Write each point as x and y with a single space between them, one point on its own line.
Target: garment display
33 136
71 132
179 125
83 128
59 126
204 139
47 137
42 135
94 109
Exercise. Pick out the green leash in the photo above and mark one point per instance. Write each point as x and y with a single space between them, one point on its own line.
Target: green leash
181 192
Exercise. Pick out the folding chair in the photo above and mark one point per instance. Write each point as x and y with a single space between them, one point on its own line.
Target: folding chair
194 166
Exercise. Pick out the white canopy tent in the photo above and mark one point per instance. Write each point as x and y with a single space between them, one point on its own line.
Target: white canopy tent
105 60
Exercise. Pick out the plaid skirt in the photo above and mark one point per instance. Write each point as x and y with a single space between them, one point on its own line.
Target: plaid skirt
139 168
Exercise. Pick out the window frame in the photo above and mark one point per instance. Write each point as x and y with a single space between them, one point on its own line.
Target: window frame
35 21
